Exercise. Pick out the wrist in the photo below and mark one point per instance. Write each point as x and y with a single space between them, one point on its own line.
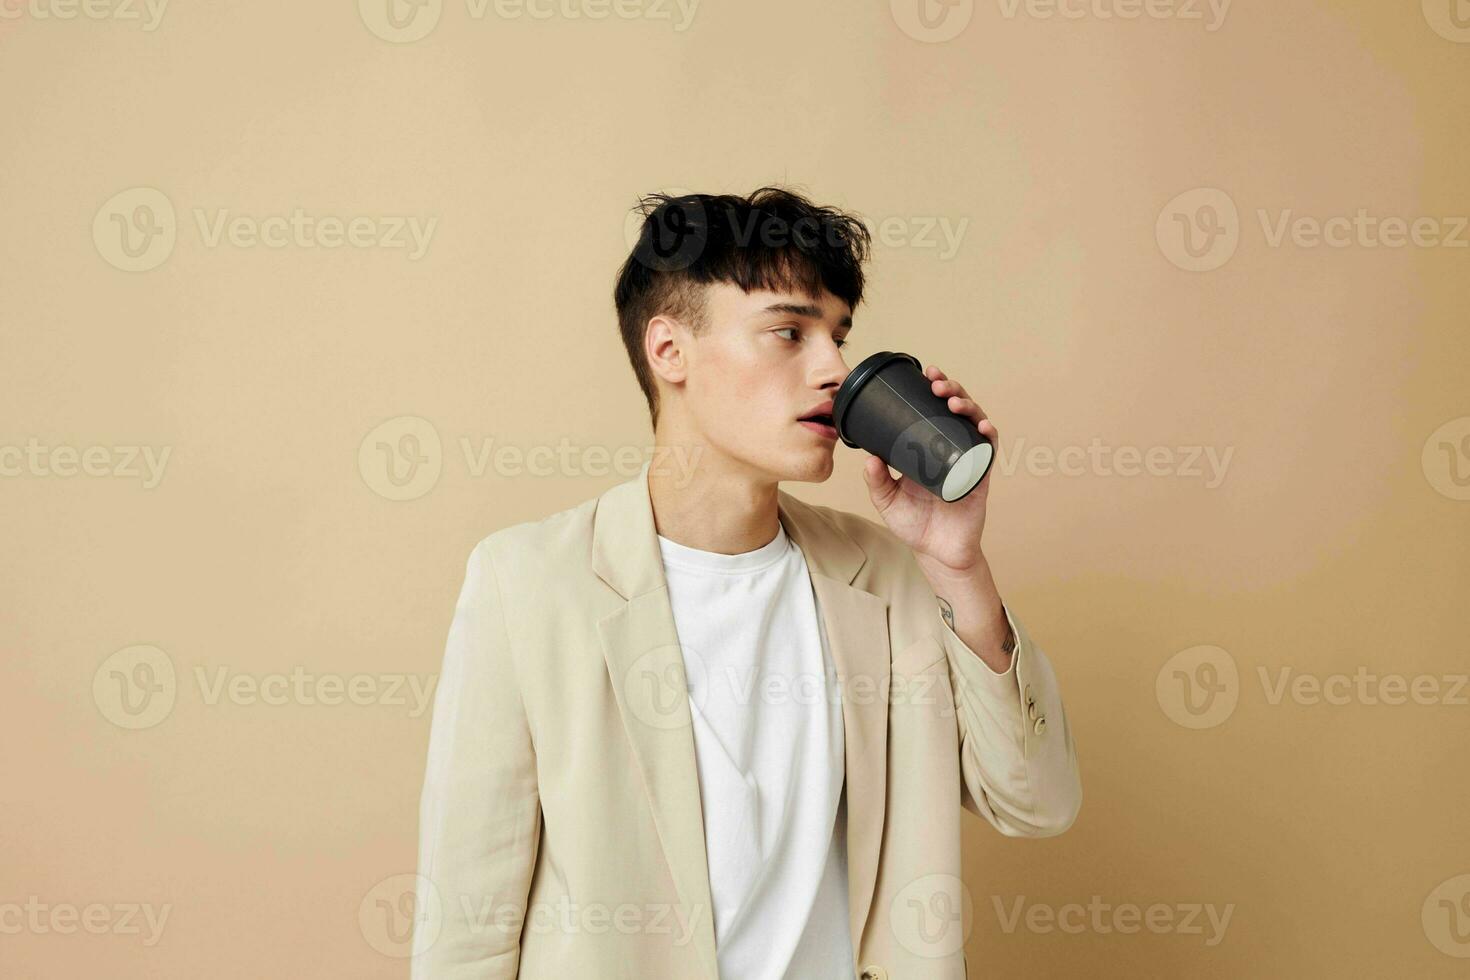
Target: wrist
969 577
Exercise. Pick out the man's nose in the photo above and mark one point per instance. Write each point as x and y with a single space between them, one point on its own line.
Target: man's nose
832 372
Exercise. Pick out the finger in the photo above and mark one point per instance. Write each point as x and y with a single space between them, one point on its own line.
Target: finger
966 407
881 486
946 388
933 373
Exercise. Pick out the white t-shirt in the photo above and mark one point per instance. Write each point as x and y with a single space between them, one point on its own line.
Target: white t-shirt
769 743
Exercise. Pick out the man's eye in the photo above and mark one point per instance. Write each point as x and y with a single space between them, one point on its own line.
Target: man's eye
840 342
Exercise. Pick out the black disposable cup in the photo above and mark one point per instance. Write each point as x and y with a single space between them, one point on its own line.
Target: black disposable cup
887 407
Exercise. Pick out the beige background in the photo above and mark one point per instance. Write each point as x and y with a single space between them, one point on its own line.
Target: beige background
1334 541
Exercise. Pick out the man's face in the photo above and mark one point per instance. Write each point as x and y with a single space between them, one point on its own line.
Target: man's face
765 361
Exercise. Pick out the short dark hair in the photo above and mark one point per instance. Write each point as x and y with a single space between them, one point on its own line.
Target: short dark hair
774 239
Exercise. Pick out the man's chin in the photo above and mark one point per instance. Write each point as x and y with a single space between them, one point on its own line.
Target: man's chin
814 468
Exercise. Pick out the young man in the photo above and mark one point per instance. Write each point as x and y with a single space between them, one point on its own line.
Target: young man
697 729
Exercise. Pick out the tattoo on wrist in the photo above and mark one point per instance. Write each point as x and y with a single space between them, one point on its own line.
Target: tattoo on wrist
947 611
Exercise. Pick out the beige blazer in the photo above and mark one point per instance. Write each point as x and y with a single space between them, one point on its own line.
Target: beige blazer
561 832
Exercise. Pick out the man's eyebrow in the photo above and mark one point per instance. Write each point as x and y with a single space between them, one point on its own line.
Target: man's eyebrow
803 309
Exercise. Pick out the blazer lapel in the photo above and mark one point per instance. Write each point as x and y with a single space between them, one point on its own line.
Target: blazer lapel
857 634
646 666
645 663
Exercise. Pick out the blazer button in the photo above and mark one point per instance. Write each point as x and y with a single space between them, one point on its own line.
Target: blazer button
874 973
1040 726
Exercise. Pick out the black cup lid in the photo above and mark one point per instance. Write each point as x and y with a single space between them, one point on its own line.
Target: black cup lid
855 379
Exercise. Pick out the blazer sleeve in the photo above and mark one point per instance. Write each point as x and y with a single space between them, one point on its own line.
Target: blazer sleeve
479 815
1017 760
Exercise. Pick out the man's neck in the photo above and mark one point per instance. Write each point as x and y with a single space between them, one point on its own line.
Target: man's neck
718 506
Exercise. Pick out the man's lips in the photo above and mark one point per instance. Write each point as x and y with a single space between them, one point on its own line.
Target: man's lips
818 419
820 428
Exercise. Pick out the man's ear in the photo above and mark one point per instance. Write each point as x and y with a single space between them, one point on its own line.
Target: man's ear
663 346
